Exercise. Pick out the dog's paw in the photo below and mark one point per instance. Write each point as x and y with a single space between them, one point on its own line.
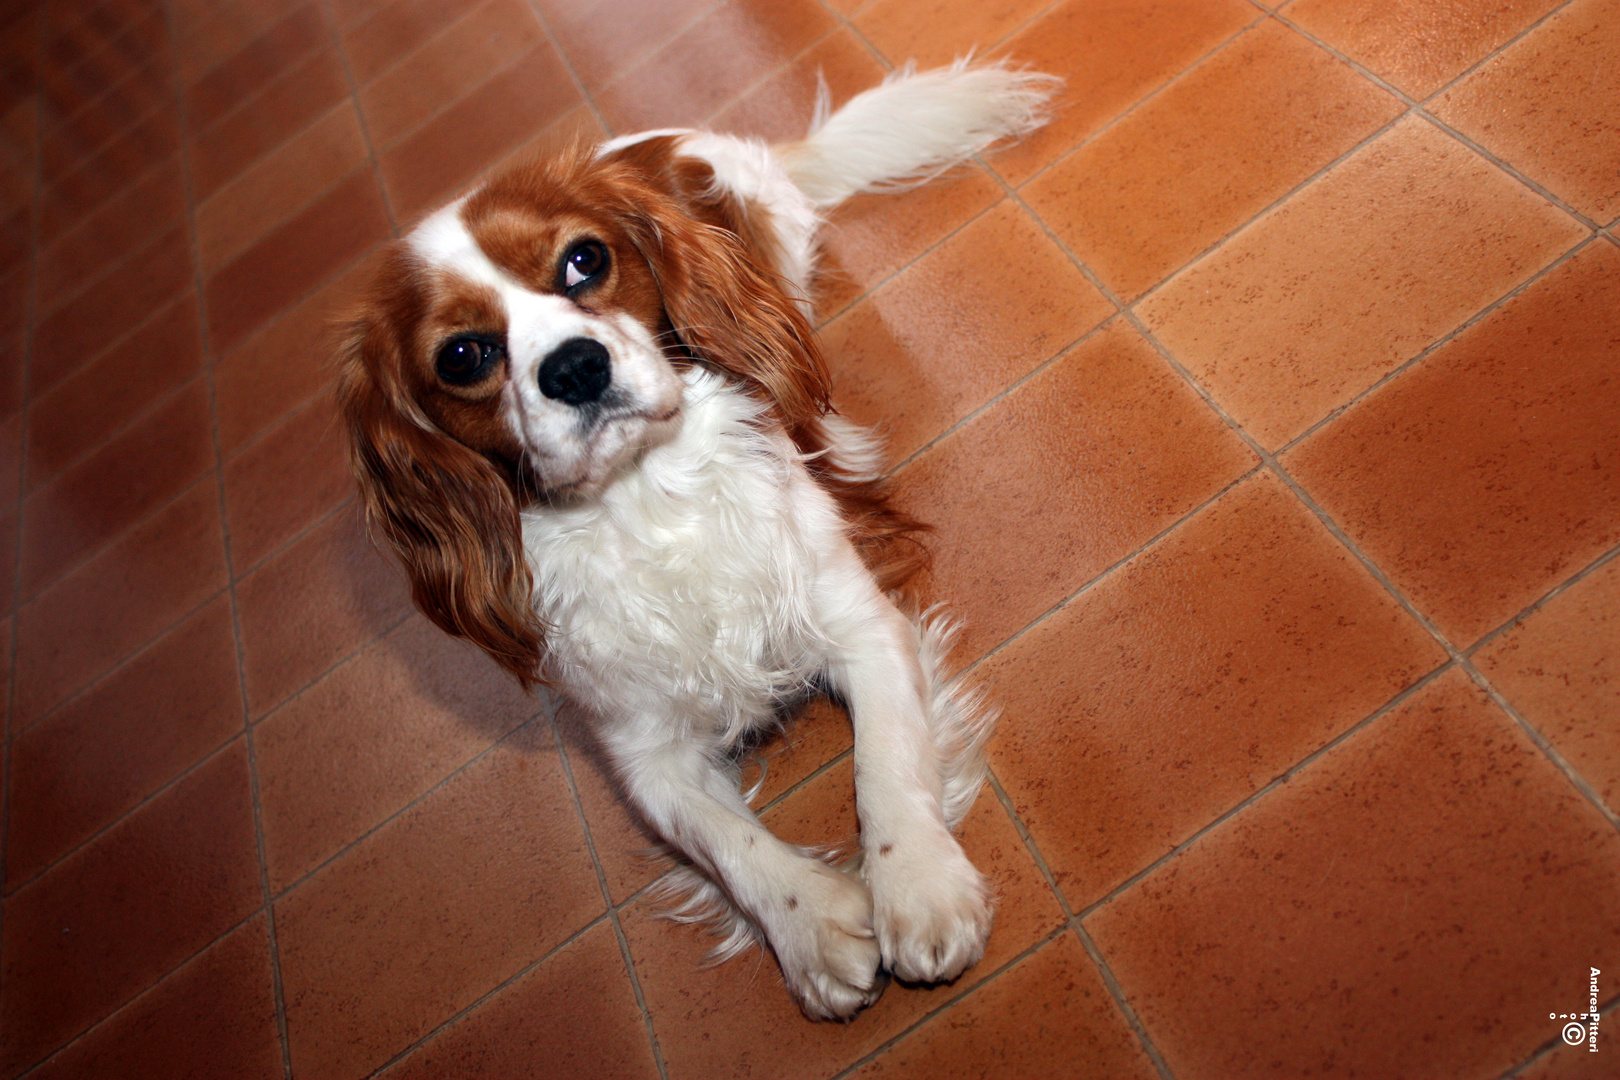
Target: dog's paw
932 908
826 945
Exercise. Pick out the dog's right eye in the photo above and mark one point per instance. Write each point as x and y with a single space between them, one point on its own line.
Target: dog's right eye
463 361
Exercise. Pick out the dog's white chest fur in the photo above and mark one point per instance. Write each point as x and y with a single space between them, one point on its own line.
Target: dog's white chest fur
685 586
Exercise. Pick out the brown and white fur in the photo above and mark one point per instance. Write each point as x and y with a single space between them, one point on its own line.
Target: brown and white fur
589 413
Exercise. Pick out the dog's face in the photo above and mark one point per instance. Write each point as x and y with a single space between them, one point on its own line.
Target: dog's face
525 344
543 340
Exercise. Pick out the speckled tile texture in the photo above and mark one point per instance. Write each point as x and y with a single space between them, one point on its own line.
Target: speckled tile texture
1266 407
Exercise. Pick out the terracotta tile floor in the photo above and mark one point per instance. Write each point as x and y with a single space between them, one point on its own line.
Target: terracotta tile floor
1267 405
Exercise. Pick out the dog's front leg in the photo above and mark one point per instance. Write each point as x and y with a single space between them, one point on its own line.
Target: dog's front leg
817 919
932 908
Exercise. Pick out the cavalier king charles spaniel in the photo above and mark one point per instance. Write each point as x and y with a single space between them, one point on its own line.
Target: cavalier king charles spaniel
588 412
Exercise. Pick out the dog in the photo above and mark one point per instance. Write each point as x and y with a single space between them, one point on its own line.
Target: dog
587 410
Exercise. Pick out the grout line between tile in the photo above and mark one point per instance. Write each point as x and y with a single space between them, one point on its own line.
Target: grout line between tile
1573 775
188 136
83 283
123 663
1109 570
1551 1046
1000 395
319 677
1462 75
944 1006
638 62
1282 778
1270 462
112 539
1115 120
428 117
494 991
1510 169
1420 107
254 787
804 781
585 95
1434 346
417 800
612 912
1072 922
1120 1001
16 888
1530 609
113 342
1170 275
1339 534
131 1002
40 483
258 27
236 256
742 95
847 22
825 317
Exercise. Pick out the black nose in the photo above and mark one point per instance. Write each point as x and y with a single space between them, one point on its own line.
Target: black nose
577 371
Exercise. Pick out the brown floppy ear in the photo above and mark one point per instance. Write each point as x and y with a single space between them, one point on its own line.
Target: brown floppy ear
445 509
732 314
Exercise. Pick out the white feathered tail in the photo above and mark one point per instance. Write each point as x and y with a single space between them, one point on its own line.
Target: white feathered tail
913 127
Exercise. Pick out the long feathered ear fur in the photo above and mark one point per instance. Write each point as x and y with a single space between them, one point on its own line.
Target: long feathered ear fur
733 315
740 318
445 509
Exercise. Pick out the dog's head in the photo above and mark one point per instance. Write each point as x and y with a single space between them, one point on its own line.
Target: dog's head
525 344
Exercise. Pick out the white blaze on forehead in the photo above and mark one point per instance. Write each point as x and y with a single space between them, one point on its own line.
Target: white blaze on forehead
443 240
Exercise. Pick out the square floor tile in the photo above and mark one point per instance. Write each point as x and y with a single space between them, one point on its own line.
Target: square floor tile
84 409
680 86
135 472
576 1012
290 261
1548 106
1486 475
120 599
943 31
1417 45
1077 468
111 920
1187 680
1110 54
912 359
378 732
214 1016
449 151
79 769
1411 904
481 42
1047 1015
314 602
1560 668
1210 152
285 482
277 186
1359 272
495 860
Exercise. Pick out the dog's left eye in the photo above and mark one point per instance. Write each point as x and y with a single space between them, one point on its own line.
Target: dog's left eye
463 361
584 261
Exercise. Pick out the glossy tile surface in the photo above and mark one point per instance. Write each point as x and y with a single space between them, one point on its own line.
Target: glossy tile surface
1407 856
1263 405
1529 395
